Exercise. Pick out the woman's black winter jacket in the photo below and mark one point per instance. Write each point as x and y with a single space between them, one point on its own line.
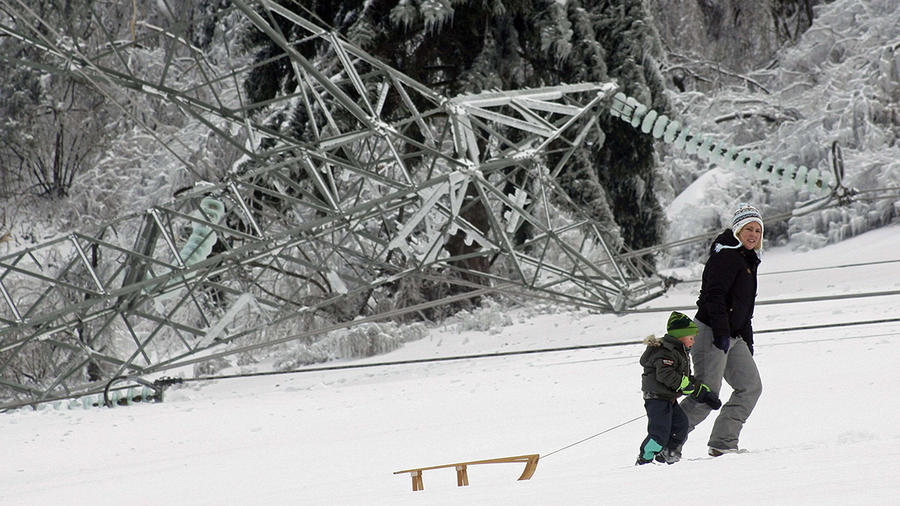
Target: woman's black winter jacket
728 292
665 363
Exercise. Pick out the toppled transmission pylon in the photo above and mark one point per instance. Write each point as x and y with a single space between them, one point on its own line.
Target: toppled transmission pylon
390 185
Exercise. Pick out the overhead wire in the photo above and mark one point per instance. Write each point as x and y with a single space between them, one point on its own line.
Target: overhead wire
769 302
476 356
511 353
810 269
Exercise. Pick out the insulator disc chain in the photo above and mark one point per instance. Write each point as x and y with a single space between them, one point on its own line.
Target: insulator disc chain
145 391
650 122
126 397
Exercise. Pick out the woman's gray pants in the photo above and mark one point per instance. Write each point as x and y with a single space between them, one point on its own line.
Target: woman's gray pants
737 367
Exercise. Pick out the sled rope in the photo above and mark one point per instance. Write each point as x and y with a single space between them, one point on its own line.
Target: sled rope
593 436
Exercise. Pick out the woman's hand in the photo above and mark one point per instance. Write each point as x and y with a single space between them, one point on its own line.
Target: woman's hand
722 343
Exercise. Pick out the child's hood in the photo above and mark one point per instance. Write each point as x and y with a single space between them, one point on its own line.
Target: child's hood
652 340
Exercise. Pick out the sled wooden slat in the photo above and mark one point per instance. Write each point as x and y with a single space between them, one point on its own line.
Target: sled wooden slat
462 473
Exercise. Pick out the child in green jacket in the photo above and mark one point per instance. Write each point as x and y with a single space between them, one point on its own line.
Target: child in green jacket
666 376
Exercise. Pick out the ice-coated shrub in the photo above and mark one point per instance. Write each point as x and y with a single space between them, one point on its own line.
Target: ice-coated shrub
359 341
210 367
491 317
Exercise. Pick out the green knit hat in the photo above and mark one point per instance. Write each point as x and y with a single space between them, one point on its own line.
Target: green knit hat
680 325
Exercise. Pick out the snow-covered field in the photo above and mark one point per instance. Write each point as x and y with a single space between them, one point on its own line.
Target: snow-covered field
826 431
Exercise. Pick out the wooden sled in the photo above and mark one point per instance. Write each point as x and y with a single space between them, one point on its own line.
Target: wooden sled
462 474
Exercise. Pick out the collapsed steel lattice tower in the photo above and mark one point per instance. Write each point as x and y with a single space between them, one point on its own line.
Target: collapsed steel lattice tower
391 186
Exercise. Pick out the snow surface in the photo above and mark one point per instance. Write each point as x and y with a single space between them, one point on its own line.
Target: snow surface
825 431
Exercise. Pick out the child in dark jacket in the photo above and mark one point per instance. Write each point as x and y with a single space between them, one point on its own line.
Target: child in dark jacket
666 376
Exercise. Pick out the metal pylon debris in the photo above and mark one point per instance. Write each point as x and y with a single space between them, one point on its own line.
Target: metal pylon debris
390 185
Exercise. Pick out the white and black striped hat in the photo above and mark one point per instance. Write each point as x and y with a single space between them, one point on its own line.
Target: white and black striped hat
745 214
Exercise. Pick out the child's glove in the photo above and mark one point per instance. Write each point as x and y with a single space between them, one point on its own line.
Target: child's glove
691 386
700 392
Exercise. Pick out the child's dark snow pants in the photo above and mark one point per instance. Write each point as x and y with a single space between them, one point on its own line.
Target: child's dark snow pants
666 427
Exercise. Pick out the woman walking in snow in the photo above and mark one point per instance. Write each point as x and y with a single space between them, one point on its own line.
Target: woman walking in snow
723 348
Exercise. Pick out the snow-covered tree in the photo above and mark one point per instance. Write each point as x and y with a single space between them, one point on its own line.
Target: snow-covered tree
50 126
459 46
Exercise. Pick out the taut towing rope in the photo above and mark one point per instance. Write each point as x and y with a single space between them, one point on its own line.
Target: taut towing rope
593 436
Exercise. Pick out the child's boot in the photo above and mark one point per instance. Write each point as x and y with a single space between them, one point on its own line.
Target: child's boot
649 449
668 456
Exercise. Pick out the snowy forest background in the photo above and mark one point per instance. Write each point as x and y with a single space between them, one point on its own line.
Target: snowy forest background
784 77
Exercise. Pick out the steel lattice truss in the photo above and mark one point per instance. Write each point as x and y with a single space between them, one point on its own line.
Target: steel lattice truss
392 185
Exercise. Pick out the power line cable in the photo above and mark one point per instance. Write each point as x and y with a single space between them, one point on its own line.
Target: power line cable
508 353
807 269
770 302
436 360
827 326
